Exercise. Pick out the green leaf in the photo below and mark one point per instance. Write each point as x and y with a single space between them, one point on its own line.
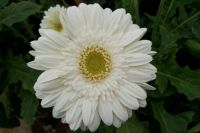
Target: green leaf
18 12
4 99
133 125
168 43
129 6
29 106
168 38
195 129
196 28
194 47
19 71
162 83
3 3
171 123
185 80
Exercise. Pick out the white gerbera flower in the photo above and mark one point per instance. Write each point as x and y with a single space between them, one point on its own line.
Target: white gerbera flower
51 20
97 70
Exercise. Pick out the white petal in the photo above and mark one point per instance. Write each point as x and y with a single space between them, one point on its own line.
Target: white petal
49 61
49 100
114 21
147 86
133 89
66 99
48 86
143 103
76 20
36 53
58 114
116 121
50 75
137 59
147 68
132 36
96 17
126 22
143 46
106 14
88 110
139 76
119 110
84 9
56 38
130 111
40 93
105 111
75 125
128 100
95 123
152 53
64 102
36 65
74 113
46 45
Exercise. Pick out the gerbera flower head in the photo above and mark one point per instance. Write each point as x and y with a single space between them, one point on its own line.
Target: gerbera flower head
97 70
51 19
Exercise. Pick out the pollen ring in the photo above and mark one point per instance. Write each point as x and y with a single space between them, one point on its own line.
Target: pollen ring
95 63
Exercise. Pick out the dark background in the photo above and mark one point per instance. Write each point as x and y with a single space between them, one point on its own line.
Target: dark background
173 27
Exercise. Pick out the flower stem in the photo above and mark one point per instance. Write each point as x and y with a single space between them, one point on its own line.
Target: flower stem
187 20
28 28
157 21
136 8
169 9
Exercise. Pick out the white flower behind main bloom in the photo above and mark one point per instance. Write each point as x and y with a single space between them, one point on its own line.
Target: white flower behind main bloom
97 70
51 19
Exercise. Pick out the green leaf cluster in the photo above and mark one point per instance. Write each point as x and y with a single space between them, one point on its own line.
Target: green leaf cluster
18 12
17 99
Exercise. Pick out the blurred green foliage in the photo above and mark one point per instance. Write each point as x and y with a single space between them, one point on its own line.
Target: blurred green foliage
174 28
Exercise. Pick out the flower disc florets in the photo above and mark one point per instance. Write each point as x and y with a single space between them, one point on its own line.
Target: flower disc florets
95 63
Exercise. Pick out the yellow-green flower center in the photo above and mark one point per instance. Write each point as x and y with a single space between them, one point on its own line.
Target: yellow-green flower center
95 63
58 26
